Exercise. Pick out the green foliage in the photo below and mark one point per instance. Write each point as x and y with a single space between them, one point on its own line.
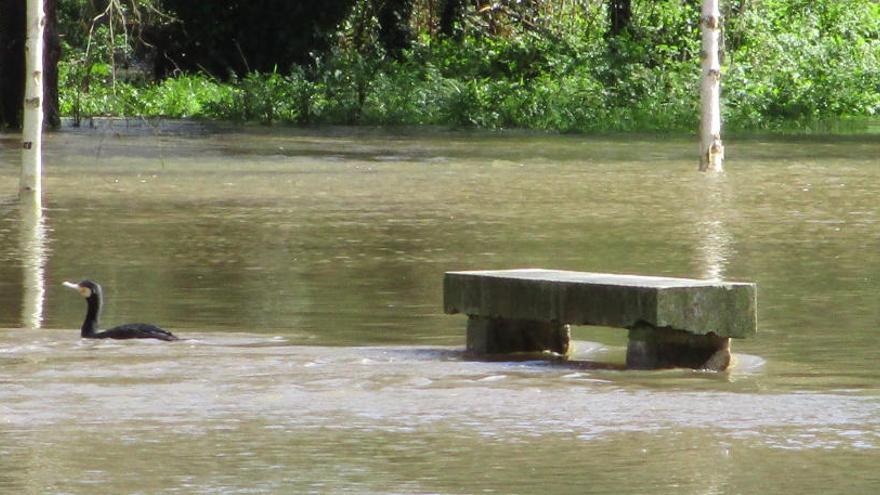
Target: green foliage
267 98
100 40
805 61
181 97
184 96
785 61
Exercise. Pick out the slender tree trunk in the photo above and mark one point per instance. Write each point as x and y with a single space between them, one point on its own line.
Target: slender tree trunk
619 16
394 28
12 37
11 62
32 128
711 148
449 15
51 56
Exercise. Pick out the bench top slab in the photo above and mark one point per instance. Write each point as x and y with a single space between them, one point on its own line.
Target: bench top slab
726 309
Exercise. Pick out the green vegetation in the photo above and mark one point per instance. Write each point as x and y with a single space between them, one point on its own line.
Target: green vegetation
548 65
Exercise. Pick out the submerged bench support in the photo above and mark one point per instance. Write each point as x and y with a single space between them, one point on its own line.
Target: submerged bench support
486 336
672 322
652 348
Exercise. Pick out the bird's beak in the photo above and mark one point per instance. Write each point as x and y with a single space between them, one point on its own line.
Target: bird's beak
83 291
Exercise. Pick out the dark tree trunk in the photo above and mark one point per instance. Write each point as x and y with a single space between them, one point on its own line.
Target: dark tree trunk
51 56
12 35
449 16
394 29
619 16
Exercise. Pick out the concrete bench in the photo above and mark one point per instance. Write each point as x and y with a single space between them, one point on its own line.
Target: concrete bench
672 322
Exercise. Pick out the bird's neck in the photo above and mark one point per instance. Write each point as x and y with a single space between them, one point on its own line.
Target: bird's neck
90 324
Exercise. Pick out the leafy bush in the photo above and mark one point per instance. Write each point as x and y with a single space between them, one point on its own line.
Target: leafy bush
805 61
786 61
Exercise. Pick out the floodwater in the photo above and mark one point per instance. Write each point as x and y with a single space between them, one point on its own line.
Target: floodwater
304 269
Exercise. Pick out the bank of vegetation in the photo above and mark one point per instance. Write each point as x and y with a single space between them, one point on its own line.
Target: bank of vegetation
560 65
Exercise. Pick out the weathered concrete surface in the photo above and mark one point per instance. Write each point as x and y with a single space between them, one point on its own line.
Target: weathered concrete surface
499 336
700 307
652 348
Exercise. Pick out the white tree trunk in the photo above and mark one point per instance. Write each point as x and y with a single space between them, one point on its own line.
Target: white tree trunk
32 126
711 148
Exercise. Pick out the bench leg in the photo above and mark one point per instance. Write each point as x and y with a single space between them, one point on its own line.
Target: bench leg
652 348
502 336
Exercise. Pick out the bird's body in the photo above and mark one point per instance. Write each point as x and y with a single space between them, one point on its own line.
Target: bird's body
94 299
134 331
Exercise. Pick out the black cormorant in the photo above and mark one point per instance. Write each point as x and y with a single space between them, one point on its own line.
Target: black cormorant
92 292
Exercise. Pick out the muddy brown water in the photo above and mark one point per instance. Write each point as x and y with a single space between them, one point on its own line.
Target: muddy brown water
304 268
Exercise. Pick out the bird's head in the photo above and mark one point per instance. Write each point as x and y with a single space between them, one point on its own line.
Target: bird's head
86 288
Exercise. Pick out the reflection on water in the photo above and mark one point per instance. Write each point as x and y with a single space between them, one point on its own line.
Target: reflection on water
32 247
714 241
305 269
